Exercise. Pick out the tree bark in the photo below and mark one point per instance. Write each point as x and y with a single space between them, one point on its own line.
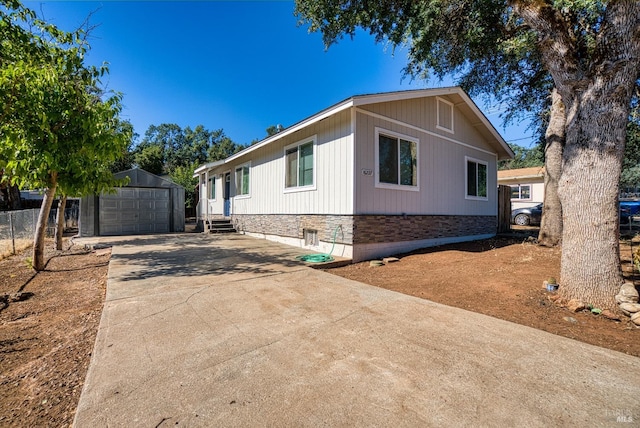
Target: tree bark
588 190
551 225
60 222
41 226
596 90
15 202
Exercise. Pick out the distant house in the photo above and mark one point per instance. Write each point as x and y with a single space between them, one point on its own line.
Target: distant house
527 185
373 175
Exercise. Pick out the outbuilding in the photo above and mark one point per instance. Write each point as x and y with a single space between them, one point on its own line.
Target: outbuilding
147 204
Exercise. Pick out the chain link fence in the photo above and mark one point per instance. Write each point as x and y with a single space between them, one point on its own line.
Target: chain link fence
17 228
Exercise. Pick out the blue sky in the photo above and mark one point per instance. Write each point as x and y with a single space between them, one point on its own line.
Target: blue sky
238 65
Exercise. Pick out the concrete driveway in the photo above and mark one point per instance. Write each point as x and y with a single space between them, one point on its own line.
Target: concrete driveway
230 331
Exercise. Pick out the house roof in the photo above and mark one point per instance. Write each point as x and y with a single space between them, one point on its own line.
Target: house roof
520 173
461 100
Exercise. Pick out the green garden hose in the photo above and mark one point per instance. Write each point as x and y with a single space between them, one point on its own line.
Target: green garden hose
322 257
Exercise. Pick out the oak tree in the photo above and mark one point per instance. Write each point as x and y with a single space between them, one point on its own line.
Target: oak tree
591 51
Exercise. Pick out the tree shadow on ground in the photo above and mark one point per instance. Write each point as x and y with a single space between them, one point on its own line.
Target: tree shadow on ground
191 255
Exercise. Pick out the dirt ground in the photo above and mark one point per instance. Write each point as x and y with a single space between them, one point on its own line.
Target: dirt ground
47 333
503 278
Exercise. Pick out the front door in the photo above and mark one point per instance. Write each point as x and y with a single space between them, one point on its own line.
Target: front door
227 193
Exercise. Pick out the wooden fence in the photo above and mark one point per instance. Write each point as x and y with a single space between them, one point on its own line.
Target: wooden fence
504 209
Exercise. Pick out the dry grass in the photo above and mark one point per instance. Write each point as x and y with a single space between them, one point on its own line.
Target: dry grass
6 247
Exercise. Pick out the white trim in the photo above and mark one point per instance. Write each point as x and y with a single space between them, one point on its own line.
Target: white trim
314 141
207 166
416 128
451 106
468 159
235 181
361 100
519 186
399 136
352 148
230 198
300 125
214 177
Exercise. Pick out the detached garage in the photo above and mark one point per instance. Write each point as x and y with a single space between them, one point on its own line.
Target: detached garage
148 204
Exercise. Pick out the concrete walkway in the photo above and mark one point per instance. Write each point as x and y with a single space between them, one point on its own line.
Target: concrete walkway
230 331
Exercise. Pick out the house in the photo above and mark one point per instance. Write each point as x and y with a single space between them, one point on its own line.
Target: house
147 204
373 175
527 185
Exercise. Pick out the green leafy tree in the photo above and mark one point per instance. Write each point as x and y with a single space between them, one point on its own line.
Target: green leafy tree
126 159
183 175
166 147
58 131
523 157
588 51
150 157
630 177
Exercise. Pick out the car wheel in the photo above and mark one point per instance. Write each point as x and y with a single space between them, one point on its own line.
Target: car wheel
521 220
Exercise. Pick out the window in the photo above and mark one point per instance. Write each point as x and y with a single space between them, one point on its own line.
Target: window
299 161
242 180
212 187
521 191
476 179
445 115
397 160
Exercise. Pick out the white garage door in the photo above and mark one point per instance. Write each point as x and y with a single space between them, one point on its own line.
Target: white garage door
134 210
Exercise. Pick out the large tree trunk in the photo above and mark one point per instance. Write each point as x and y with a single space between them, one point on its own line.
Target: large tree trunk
596 90
551 225
60 222
588 190
41 226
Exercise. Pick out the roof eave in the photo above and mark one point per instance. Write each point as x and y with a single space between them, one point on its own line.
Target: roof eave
202 168
336 108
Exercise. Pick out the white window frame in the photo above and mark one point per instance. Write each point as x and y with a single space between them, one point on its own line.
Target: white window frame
468 159
235 179
314 140
392 134
211 186
520 186
440 101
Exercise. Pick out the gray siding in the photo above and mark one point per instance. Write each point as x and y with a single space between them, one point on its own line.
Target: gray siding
441 162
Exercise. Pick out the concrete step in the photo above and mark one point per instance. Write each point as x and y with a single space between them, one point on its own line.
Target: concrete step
219 226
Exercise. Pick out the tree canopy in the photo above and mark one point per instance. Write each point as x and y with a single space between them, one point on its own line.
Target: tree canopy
59 130
587 52
169 149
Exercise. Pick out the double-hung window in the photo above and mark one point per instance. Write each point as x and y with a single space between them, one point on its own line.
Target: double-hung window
242 180
476 178
212 187
300 165
521 192
397 160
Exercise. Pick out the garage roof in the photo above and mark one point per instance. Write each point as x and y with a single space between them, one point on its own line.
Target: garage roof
141 178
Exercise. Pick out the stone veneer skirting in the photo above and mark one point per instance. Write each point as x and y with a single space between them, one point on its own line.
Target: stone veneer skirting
367 229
